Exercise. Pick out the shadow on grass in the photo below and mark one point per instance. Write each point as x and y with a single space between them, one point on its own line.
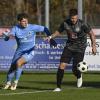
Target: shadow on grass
91 84
49 85
45 85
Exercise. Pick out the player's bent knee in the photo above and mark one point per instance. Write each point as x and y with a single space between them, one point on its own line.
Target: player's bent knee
62 65
19 65
20 62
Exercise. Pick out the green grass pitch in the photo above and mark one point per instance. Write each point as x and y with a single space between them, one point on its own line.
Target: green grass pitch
39 86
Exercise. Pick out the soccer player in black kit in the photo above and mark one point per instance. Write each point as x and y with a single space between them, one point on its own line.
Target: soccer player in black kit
77 31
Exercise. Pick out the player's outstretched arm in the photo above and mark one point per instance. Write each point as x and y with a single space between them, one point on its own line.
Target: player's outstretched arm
49 37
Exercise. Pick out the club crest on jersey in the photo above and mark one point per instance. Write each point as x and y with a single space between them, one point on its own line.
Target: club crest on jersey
29 33
77 29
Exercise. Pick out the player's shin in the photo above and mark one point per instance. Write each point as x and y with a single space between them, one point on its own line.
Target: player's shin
76 72
17 76
60 74
18 73
10 76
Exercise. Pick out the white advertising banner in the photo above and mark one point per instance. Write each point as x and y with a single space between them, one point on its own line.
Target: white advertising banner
93 61
50 56
96 31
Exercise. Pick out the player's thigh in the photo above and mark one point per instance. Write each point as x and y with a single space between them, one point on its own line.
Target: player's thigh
28 57
25 58
66 56
77 57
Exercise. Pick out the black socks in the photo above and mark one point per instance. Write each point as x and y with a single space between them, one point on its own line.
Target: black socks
60 74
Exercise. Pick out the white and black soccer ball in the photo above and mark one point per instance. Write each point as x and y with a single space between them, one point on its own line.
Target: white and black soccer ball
82 66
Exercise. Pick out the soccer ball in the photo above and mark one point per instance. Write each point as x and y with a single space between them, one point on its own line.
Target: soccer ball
82 66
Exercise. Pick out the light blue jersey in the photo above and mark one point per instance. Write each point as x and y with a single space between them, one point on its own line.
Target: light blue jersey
25 38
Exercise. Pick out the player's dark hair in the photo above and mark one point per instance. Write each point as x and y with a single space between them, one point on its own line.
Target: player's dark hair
21 16
73 12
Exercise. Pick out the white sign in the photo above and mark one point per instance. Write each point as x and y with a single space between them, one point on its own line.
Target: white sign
96 32
93 61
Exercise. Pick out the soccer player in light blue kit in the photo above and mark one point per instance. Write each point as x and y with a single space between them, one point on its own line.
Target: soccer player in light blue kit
24 34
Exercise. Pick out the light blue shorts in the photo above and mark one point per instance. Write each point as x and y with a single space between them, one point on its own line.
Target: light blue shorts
28 56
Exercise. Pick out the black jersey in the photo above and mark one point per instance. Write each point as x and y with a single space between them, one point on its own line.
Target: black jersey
77 34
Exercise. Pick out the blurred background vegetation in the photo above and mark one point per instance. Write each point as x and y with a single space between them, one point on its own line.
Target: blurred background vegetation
58 11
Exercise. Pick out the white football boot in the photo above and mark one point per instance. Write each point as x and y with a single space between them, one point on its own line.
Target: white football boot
57 90
14 85
7 85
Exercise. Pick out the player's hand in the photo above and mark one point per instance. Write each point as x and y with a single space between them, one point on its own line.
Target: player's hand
94 50
51 41
5 34
47 39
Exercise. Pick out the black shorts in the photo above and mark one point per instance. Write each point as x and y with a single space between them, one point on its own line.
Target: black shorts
70 55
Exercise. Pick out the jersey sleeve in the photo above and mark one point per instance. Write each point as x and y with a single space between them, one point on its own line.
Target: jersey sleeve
38 28
86 27
13 31
61 28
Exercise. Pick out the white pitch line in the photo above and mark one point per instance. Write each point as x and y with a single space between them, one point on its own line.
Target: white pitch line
19 93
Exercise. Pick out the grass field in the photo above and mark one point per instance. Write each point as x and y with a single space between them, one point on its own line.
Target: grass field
39 86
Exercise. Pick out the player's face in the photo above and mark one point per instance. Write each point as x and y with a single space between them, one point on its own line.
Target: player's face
23 22
74 19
